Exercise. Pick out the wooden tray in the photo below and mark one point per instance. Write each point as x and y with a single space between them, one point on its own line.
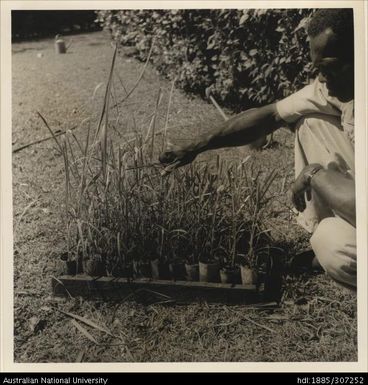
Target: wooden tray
110 288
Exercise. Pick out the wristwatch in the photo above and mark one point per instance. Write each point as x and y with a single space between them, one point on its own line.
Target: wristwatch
310 173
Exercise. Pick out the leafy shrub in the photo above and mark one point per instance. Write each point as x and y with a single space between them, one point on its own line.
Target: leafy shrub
248 57
34 24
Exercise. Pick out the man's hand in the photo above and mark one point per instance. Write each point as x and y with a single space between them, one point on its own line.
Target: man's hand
178 156
301 187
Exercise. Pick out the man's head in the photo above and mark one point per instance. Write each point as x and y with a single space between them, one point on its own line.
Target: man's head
331 33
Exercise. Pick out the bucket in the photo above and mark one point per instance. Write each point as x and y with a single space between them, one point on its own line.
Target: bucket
60 46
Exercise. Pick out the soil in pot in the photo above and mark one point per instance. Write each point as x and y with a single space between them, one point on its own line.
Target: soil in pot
192 272
177 270
230 275
248 275
209 272
74 268
160 269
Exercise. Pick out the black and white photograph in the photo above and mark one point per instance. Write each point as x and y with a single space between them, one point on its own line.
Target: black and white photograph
183 184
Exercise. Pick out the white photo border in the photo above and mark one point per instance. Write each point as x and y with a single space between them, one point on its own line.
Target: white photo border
6 280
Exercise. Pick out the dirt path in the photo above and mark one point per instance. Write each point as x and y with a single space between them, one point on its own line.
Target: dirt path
67 89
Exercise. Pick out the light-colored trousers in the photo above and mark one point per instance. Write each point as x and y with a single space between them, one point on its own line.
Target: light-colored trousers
321 139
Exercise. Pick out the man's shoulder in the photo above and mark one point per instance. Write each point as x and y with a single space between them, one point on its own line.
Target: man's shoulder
312 98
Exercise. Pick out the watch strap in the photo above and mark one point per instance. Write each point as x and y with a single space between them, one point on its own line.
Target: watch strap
309 174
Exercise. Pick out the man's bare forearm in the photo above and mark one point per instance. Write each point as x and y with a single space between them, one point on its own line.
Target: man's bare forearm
338 191
239 130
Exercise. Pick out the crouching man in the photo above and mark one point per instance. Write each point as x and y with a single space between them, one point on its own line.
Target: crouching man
322 116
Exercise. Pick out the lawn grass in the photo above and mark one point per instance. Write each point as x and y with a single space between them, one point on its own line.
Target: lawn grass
317 319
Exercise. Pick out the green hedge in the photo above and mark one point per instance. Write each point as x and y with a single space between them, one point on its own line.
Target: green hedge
247 57
31 24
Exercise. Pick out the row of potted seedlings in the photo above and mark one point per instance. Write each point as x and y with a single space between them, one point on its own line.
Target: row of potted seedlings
161 269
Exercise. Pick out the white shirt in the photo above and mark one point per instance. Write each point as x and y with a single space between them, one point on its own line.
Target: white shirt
314 98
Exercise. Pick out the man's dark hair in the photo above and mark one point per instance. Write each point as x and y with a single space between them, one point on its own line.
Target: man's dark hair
341 22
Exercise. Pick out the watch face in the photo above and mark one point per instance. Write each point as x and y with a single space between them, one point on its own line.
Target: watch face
312 172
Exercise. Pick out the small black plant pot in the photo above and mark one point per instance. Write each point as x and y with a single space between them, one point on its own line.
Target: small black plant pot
273 287
209 272
74 268
271 264
144 269
95 267
177 270
125 271
160 270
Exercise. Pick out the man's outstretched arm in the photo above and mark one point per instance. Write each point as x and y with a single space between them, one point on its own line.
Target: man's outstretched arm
239 130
